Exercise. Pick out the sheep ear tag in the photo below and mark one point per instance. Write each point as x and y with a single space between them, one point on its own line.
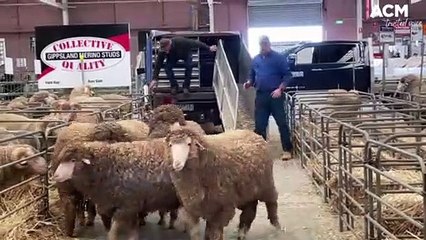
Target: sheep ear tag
86 161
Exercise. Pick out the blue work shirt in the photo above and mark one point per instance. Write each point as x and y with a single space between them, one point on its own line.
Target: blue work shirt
269 71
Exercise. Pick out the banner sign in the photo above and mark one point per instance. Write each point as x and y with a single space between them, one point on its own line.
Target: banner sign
96 55
387 34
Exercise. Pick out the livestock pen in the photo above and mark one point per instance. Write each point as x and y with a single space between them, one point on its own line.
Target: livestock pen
29 205
363 159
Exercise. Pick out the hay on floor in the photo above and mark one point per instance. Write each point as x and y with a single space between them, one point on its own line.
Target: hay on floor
28 223
409 203
404 176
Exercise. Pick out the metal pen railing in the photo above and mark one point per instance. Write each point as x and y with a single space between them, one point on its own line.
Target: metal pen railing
226 89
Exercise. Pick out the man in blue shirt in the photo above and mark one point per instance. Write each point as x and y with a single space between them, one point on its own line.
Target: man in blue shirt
268 75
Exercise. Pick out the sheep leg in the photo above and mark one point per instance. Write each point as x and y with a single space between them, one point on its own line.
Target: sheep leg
272 208
134 232
142 216
70 211
173 217
191 224
162 213
80 210
215 225
113 232
213 231
246 219
106 220
91 209
270 198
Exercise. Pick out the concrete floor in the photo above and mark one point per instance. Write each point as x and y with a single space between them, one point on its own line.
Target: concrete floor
301 211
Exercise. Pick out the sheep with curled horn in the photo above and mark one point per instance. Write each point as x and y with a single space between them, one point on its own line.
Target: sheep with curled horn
123 179
125 130
12 175
213 174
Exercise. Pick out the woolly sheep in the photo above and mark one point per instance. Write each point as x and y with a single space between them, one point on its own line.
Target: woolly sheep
126 130
19 122
166 115
223 171
13 174
30 140
119 98
123 179
18 103
408 86
84 90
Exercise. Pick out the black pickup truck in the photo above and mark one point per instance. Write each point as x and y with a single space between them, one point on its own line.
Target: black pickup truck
330 64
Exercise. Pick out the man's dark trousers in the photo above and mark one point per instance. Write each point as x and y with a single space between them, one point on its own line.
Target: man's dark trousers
171 63
265 106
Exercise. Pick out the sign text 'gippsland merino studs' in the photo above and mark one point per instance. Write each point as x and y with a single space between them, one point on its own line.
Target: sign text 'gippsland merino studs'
98 53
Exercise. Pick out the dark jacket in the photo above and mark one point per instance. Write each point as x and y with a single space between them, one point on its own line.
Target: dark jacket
181 48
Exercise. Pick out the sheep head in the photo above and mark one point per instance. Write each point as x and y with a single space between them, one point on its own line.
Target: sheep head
408 83
34 165
184 145
82 91
68 159
168 113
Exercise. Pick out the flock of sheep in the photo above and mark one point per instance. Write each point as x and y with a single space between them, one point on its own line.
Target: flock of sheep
125 169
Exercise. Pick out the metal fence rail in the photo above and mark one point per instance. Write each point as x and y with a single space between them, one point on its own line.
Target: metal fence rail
226 89
362 155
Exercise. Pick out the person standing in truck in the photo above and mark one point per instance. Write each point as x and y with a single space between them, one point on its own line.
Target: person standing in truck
175 49
268 75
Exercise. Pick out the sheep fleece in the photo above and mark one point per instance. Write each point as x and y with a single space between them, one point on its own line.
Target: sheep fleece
125 174
233 169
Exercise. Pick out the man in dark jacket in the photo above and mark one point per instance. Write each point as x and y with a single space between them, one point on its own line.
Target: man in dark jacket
174 49
268 75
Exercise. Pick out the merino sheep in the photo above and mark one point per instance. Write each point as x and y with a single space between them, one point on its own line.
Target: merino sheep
19 122
126 130
127 107
18 103
408 86
13 174
213 174
166 115
123 179
43 97
30 140
84 90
